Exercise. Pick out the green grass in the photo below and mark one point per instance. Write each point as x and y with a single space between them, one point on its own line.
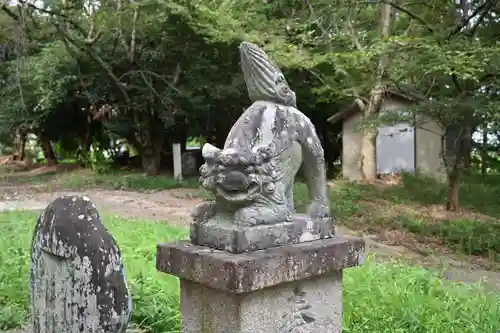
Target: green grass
479 194
357 205
155 295
115 180
388 298
369 207
379 298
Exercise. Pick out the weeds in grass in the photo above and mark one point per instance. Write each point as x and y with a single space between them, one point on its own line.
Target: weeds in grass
388 298
356 205
465 236
119 180
155 295
353 205
379 298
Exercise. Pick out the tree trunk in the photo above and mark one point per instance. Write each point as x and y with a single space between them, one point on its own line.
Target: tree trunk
48 152
86 139
149 139
467 151
369 154
371 111
22 149
455 174
19 145
484 152
453 199
151 160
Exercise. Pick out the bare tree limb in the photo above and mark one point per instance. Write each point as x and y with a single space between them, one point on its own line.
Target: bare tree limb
482 17
121 36
482 9
133 35
9 12
92 36
411 14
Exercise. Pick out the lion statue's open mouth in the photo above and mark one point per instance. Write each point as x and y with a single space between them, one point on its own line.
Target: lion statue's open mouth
237 177
237 186
237 195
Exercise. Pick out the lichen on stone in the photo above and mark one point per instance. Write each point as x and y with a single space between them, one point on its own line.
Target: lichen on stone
77 282
252 176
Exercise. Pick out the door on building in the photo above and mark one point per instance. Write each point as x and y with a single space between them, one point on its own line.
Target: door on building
396 148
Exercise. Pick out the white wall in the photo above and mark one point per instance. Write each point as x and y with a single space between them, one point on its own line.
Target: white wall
396 148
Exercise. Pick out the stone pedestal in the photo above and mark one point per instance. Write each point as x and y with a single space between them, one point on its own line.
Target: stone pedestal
230 237
289 288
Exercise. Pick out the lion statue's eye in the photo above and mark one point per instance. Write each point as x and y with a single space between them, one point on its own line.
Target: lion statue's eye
279 78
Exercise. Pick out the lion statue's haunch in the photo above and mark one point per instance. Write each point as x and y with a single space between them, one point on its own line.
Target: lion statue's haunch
252 177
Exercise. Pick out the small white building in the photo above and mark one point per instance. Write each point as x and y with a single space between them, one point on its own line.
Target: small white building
400 147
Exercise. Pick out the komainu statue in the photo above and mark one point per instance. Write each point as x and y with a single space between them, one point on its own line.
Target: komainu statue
252 177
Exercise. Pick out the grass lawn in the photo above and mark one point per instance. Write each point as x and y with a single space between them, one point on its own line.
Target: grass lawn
85 179
414 207
388 298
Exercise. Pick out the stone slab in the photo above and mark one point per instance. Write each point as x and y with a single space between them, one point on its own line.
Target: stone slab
132 328
237 239
251 271
308 306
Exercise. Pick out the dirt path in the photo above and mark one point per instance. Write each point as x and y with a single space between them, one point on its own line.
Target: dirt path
174 206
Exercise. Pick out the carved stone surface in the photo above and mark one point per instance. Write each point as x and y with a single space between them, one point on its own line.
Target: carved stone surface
253 175
278 309
77 278
236 239
252 265
293 288
251 271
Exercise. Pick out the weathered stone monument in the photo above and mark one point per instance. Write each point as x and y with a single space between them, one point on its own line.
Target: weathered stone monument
77 279
252 264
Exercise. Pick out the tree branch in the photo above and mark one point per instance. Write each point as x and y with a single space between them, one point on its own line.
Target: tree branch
133 35
483 9
481 18
85 49
92 36
10 13
410 14
121 36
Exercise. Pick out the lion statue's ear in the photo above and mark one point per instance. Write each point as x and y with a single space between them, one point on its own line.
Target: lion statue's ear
210 152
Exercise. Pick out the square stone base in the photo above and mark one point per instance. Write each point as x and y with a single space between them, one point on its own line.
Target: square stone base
251 271
237 239
293 288
308 306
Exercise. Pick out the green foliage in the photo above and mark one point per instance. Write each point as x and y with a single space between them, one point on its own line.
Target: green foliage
394 297
464 236
143 71
390 297
479 194
376 207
